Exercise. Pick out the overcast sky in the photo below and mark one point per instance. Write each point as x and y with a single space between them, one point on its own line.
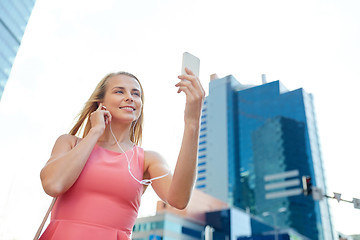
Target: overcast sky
70 45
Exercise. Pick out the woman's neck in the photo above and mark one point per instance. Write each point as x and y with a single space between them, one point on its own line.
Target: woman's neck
116 133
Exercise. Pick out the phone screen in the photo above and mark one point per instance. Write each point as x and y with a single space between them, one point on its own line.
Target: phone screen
191 62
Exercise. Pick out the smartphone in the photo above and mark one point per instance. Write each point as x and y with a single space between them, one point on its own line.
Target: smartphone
191 62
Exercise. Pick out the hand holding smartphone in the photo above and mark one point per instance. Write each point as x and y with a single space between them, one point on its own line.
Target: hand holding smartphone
191 62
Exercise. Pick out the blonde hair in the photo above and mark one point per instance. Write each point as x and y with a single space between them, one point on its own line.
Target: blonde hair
92 104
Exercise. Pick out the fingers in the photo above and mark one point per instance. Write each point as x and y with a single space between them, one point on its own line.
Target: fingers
190 84
182 85
189 76
107 117
105 113
188 71
192 89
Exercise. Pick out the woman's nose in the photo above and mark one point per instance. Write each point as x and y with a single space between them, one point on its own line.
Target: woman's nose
129 98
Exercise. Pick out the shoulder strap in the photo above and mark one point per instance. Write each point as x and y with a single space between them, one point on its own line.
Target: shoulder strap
37 235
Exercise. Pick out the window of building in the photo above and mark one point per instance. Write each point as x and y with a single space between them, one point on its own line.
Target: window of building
191 232
201 164
202 149
201 178
203 129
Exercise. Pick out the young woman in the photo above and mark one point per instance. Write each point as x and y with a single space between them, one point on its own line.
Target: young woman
99 179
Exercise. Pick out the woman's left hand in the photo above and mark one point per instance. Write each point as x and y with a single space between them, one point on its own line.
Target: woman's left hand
195 94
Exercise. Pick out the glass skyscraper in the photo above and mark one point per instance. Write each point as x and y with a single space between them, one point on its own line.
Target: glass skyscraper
14 16
256 143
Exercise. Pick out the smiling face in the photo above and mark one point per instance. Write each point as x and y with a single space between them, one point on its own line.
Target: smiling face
123 98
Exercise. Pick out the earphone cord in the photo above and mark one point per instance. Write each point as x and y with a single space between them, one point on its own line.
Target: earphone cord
144 181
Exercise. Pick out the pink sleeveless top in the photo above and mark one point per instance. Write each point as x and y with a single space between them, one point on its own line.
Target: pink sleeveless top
103 203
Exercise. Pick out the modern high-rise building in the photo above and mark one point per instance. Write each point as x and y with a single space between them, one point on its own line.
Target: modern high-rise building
14 16
256 143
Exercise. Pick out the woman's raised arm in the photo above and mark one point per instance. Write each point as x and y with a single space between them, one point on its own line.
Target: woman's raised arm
176 190
67 160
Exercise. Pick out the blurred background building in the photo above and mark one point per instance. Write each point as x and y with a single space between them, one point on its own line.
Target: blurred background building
207 218
256 143
14 16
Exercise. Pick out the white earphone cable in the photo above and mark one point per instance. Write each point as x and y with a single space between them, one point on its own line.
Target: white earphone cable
144 181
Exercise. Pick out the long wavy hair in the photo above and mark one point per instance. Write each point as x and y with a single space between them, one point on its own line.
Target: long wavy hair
92 104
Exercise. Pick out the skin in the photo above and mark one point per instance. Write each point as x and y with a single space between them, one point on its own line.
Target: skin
67 160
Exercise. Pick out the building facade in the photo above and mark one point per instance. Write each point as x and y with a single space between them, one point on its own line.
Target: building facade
166 226
225 224
252 134
14 16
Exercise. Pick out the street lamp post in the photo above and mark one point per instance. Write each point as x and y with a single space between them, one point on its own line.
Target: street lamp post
273 215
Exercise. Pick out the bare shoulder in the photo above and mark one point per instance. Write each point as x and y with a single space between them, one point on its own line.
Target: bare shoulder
65 143
152 155
152 158
68 139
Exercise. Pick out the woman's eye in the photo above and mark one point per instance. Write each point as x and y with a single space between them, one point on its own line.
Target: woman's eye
137 94
119 91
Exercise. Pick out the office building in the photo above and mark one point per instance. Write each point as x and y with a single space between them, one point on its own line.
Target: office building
206 216
170 223
14 16
166 226
256 143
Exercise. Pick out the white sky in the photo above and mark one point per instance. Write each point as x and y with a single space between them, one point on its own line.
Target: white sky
70 45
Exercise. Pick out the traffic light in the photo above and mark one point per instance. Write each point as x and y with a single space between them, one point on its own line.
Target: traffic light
307 185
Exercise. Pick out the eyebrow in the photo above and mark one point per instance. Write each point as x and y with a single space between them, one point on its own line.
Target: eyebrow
122 88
